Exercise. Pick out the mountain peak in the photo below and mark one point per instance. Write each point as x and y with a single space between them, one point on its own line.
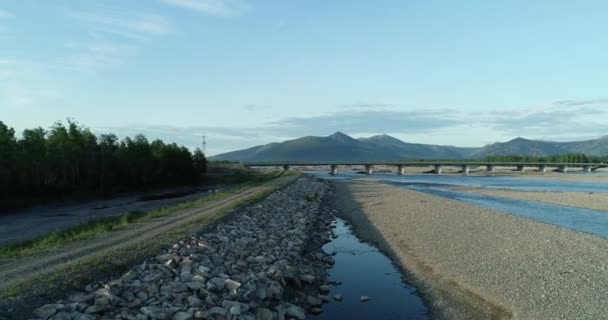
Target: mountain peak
339 134
383 136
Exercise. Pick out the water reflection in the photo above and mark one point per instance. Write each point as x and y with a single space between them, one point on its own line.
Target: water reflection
363 270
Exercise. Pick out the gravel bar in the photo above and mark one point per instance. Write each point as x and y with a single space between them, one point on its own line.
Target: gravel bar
475 263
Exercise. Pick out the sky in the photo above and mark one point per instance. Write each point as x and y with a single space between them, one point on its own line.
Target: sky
464 73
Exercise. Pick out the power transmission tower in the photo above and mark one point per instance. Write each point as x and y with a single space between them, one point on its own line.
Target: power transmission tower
204 144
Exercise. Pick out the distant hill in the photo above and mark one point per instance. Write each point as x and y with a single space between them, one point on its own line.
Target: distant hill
525 147
521 146
341 147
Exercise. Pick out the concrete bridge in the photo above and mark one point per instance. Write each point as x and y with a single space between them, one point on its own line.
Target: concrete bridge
436 165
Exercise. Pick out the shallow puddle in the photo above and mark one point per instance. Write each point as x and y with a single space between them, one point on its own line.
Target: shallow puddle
363 270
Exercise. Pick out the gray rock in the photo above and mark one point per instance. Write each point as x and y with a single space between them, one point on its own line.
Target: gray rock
263 314
217 311
324 288
296 312
181 315
178 287
235 310
82 316
47 311
314 301
231 284
154 312
364 298
338 297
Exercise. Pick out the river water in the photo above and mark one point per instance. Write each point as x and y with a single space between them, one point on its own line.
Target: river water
584 220
363 270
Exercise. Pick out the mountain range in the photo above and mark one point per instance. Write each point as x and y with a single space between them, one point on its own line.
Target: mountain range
342 147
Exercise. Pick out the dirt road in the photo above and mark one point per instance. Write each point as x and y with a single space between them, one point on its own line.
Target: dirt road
15 270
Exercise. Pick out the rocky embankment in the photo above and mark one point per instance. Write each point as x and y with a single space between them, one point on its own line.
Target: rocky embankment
265 262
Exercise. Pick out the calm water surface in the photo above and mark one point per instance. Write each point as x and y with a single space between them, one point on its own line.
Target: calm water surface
365 271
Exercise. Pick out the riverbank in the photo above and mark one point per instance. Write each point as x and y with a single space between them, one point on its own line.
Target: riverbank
475 263
264 260
589 200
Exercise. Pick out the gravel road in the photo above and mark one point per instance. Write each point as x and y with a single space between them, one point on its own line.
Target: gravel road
476 263
19 269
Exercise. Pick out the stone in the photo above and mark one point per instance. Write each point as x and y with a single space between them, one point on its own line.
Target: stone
263 314
96 309
314 301
308 278
82 316
338 297
364 298
324 288
194 285
216 284
316 310
181 315
217 311
296 312
235 310
47 311
231 284
178 287
154 312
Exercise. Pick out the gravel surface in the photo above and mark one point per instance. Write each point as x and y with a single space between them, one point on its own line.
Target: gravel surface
265 262
590 200
476 263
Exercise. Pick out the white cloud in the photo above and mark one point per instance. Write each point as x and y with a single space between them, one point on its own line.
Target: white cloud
212 7
436 126
132 25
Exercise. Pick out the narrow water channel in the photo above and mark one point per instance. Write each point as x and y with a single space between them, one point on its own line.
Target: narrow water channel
362 270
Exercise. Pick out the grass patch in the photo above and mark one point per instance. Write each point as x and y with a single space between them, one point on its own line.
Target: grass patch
75 275
102 226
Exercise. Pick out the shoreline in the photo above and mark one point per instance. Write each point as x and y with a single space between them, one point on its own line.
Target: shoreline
587 200
477 263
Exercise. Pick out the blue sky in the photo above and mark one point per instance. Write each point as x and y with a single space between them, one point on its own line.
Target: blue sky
249 72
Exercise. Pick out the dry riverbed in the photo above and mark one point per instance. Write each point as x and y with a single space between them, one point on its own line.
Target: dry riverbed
264 262
475 263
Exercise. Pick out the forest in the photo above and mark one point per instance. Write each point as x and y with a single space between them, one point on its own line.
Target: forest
69 160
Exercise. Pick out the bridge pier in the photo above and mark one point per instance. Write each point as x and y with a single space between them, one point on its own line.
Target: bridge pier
438 168
400 169
542 168
520 168
369 169
563 168
333 169
587 169
491 168
466 169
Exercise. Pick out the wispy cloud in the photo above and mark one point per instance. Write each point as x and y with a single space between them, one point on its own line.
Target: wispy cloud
112 35
437 126
92 56
213 7
132 25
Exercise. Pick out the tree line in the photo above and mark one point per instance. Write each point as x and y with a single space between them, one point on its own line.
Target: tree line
559 158
69 159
